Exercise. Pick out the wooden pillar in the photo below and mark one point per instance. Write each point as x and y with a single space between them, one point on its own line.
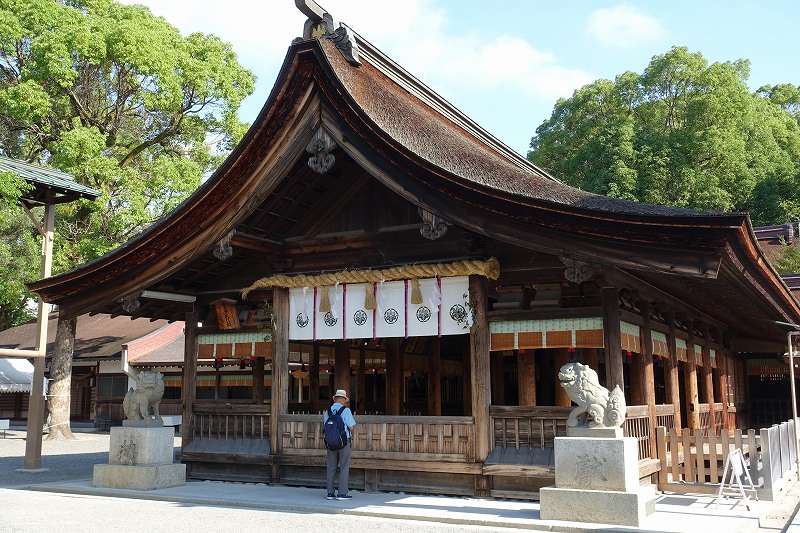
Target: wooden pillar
258 380
646 379
189 379
722 381
706 374
671 381
479 367
394 377
561 358
279 403
690 380
635 374
591 358
313 378
435 379
342 365
498 378
361 379
612 337
526 376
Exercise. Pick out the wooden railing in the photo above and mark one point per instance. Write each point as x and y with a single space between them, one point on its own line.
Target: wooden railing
711 418
528 427
537 427
420 438
230 421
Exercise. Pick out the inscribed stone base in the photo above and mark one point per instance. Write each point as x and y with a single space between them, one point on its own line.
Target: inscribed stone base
141 446
596 463
597 506
142 477
600 433
146 423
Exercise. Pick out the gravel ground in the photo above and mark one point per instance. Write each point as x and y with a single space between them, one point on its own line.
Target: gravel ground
62 460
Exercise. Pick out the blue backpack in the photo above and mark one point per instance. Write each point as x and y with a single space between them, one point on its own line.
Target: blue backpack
335 433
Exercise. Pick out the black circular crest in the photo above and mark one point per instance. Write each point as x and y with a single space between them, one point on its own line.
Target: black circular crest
330 320
423 314
458 313
360 317
391 316
302 320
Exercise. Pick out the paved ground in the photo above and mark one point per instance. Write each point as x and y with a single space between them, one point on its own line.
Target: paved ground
30 501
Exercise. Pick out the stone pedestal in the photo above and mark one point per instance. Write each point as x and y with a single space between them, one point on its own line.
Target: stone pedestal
597 480
140 459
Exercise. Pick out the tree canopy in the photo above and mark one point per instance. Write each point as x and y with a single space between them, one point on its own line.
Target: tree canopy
118 98
683 133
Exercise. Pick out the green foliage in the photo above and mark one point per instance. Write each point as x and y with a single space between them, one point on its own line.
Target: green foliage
788 260
19 261
118 98
683 133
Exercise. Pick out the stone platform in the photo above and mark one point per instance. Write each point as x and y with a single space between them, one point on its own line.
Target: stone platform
140 458
597 480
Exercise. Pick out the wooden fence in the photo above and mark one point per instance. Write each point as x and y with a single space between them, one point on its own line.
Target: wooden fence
230 422
420 438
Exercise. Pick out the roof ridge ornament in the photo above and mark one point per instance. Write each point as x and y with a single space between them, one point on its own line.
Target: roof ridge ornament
319 147
321 25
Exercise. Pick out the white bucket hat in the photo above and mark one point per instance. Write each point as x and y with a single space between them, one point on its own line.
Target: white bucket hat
340 394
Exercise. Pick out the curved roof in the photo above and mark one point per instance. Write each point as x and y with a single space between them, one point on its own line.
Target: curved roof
422 148
63 186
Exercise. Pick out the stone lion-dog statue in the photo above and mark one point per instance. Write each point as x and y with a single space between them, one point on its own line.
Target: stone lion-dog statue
597 408
142 402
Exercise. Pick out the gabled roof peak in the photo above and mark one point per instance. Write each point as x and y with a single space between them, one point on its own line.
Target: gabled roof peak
321 25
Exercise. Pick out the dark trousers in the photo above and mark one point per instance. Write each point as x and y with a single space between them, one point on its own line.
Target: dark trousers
342 459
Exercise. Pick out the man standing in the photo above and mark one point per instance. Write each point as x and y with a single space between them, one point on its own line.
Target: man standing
340 457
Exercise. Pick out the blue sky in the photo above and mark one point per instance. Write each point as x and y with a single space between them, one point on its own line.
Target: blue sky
505 63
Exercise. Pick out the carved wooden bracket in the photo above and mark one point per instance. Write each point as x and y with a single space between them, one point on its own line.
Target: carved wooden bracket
320 147
130 303
578 271
433 227
223 249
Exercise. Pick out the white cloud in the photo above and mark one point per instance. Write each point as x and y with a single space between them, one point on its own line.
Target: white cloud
623 25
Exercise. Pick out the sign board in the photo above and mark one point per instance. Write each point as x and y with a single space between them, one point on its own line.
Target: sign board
736 465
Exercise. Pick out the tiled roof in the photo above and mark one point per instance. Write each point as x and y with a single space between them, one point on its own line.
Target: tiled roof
48 179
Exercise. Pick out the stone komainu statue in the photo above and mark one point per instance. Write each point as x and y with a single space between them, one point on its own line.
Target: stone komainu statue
142 403
597 408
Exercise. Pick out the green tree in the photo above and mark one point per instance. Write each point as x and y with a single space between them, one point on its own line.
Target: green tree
683 133
118 98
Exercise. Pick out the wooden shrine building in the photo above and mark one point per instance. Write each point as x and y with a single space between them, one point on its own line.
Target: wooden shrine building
366 235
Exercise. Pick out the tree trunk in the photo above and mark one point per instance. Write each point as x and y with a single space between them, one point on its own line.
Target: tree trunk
58 391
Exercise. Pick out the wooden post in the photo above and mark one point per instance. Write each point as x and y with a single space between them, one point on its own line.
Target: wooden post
435 379
591 358
342 365
313 378
561 356
479 367
361 379
394 377
526 376
672 383
706 376
498 378
189 380
690 380
258 380
280 372
646 378
612 337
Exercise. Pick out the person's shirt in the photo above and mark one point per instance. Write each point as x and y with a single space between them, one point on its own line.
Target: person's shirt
347 417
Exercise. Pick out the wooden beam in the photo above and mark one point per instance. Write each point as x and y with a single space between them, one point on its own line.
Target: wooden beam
313 376
189 378
560 358
612 337
435 378
479 367
394 377
646 378
280 368
690 380
342 365
526 377
672 384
